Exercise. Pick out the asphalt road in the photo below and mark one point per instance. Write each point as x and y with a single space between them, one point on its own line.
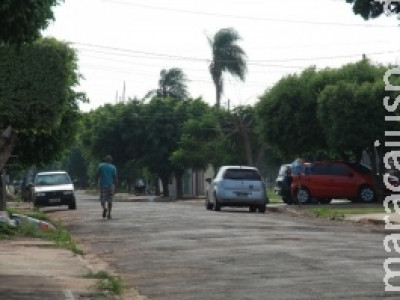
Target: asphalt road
179 250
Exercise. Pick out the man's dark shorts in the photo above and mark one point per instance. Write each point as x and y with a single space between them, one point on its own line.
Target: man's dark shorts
106 194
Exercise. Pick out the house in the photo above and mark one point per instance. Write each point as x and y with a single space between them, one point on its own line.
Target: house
194 184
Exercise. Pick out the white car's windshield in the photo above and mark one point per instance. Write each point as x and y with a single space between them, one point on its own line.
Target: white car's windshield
52 179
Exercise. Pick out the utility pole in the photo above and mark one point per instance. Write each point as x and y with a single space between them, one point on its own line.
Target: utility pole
123 92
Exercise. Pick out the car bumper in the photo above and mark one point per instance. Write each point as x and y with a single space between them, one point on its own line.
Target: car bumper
54 200
241 202
231 199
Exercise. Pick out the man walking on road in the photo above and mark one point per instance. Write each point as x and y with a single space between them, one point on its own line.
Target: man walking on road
107 181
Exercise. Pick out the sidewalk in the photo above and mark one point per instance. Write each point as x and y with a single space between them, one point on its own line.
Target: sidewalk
377 218
36 269
367 218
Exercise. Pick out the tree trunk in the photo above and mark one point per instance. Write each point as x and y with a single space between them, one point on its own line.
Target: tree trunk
3 202
247 146
218 92
179 185
7 143
260 156
157 186
217 97
164 180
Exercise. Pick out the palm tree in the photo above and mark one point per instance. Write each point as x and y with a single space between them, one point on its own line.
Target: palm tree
172 84
227 56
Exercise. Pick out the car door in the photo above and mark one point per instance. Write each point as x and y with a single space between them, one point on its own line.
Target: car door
319 181
343 181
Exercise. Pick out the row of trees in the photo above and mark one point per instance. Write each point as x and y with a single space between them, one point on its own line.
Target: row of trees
318 114
327 113
166 136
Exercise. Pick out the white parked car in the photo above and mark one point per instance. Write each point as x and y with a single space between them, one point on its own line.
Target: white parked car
237 186
53 188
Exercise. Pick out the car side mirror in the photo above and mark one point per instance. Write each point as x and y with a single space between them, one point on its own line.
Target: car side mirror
208 180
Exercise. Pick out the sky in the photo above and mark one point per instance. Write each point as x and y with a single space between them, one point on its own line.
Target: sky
122 45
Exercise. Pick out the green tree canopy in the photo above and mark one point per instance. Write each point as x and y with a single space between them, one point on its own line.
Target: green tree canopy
37 97
172 84
352 116
22 20
287 118
330 112
117 130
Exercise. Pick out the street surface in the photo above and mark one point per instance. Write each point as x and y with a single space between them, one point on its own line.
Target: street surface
179 250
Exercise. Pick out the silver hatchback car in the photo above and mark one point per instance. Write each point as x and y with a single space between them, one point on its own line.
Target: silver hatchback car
237 186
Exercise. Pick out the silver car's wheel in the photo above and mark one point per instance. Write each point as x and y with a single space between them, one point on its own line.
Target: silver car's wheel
209 205
262 209
216 206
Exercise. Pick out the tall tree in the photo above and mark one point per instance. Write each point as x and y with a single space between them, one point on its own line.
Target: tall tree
287 118
22 20
227 56
172 83
197 133
240 126
37 98
118 130
162 128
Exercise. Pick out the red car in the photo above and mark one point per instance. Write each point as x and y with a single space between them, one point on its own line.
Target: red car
325 180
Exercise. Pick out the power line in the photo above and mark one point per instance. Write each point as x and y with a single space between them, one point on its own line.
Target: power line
247 17
147 74
155 55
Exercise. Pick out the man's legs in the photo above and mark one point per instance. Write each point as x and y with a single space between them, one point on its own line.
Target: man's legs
109 206
110 194
103 200
104 209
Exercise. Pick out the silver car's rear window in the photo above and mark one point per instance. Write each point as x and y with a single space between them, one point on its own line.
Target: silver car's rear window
242 174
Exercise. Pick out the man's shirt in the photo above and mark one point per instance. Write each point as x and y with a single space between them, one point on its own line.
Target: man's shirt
107 172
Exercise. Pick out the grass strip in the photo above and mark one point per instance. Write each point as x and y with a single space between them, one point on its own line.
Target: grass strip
107 282
328 213
60 236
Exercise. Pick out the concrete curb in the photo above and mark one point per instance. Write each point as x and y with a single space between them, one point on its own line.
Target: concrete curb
363 219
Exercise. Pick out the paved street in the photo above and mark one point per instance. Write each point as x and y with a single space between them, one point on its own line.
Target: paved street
178 250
